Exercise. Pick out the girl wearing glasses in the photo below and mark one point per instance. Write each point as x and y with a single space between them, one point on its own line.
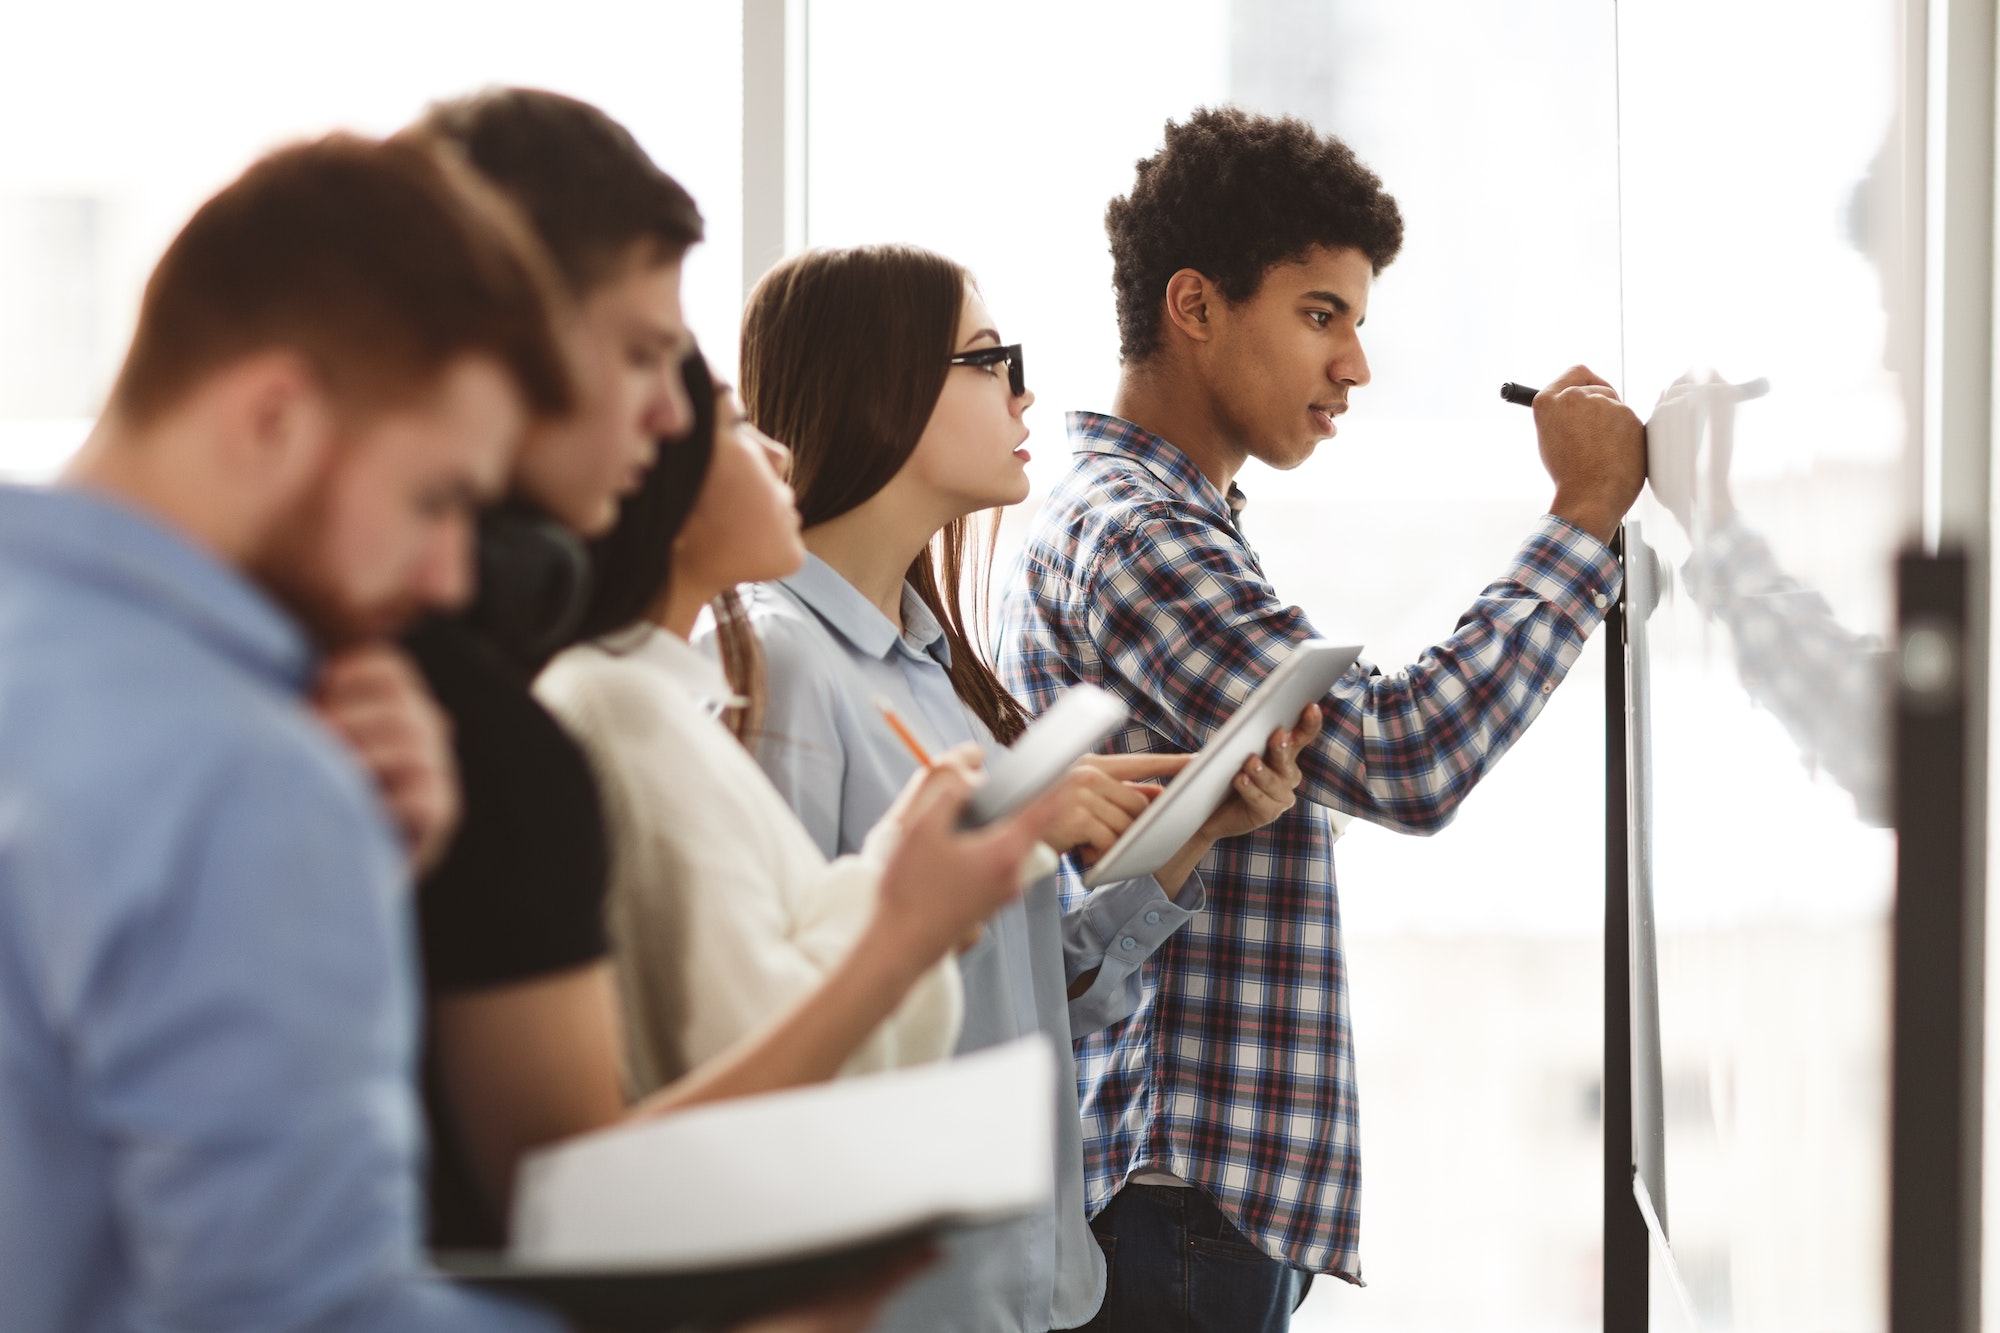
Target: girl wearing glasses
883 371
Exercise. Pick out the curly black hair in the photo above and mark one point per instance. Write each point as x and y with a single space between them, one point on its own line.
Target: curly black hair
1230 195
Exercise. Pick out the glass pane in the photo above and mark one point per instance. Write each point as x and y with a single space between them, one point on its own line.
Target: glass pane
124 116
1766 294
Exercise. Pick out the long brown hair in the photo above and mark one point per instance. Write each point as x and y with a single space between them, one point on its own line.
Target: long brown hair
844 356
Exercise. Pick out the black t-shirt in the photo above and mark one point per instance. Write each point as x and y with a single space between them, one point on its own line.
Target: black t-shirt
520 892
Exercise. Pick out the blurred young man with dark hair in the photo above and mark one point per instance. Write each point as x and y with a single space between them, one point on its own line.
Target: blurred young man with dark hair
523 1032
1220 1119
206 1021
617 228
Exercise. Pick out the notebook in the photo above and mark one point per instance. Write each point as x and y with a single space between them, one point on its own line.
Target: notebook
721 1212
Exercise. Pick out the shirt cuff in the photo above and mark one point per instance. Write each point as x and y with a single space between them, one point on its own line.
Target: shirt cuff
1119 986
1119 925
1570 570
1112 998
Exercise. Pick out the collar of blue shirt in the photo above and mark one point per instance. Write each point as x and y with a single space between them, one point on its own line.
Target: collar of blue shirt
1101 433
91 538
854 618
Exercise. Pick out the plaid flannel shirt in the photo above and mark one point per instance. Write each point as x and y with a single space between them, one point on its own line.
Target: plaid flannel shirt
1236 1072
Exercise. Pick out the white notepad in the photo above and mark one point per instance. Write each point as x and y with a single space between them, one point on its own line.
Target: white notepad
1305 676
810 1169
1081 717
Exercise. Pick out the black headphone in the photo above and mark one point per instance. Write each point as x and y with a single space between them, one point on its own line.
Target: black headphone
534 582
538 591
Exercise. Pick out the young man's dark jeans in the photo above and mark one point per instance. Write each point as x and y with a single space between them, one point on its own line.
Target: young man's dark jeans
1177 1265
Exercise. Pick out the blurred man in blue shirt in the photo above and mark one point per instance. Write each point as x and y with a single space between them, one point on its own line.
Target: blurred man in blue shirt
207 1118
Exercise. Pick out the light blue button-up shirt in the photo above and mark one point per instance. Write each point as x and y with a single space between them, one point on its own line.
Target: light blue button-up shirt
829 654
207 1007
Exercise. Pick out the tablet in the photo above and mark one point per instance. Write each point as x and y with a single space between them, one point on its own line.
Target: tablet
1074 724
1203 785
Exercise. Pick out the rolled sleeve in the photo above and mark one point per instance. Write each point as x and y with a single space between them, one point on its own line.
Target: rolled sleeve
1186 628
1569 569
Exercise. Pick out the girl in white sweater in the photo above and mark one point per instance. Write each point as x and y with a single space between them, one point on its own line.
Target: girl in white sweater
726 920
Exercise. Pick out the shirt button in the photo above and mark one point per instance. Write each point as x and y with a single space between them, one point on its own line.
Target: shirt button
1601 600
1152 918
1128 943
1549 688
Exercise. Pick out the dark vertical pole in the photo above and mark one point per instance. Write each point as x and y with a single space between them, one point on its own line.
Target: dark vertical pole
1935 1160
1626 1290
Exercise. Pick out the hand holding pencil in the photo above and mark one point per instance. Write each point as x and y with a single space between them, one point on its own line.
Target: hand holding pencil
942 882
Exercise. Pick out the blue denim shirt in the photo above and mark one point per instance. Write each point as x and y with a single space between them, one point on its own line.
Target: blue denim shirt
207 1009
829 654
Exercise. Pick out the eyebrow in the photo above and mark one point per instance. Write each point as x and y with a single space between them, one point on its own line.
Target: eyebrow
1338 302
659 335
994 334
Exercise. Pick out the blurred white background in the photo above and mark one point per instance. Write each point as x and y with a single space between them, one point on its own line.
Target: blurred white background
123 116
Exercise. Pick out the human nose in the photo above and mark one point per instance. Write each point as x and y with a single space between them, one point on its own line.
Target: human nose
444 575
669 413
1023 401
1351 367
776 456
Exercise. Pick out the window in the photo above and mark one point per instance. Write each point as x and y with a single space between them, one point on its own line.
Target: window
128 115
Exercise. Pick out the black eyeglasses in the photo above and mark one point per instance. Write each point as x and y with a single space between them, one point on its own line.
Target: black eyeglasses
992 356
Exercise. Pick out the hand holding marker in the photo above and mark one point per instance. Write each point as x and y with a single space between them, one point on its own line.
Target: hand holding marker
1523 396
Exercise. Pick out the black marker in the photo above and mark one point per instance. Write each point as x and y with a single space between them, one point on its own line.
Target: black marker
1525 396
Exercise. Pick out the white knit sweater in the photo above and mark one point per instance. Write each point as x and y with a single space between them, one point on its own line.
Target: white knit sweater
723 913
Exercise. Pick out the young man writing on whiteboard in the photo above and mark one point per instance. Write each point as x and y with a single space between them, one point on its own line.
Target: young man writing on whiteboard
1220 1143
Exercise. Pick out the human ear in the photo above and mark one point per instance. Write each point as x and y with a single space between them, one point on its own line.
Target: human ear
281 423
1188 296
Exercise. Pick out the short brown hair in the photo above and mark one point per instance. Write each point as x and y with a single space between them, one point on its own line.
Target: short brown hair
379 263
845 353
584 182
1231 195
